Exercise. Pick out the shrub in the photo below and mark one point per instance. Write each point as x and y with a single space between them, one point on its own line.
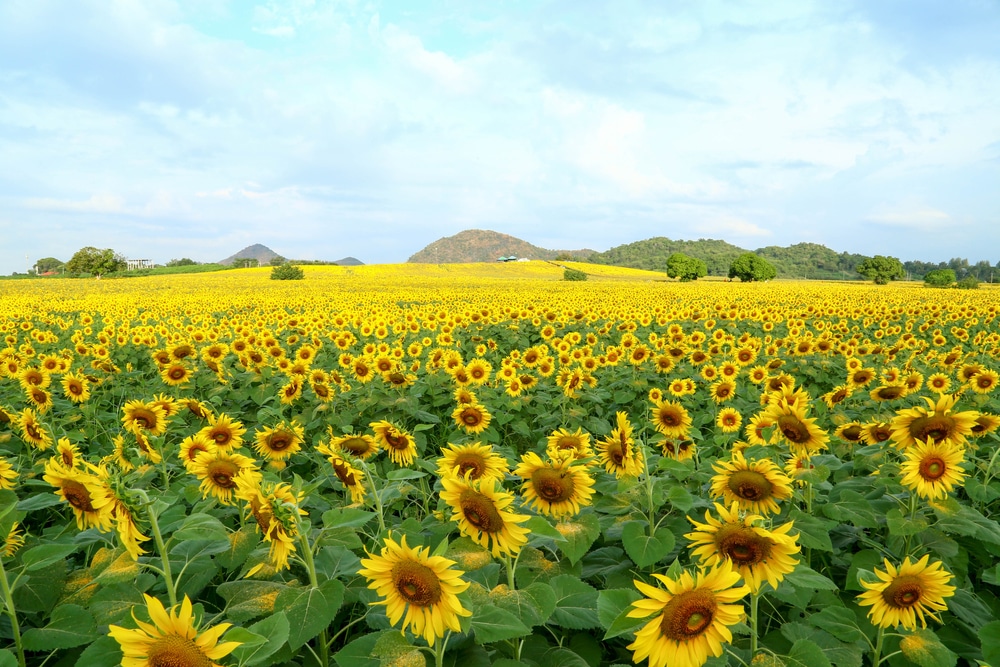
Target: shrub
968 282
749 267
573 274
686 268
939 278
881 269
287 272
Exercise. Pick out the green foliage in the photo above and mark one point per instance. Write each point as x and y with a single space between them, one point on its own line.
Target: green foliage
287 272
810 260
939 278
47 264
748 267
684 267
882 269
968 282
652 254
245 263
184 261
277 260
574 275
95 262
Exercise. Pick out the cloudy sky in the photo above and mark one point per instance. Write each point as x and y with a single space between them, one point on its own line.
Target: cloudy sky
193 128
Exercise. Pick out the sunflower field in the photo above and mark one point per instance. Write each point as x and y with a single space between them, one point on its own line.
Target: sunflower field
473 465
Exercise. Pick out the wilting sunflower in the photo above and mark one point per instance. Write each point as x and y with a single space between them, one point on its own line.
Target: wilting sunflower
932 470
679 450
76 388
618 452
757 553
577 442
172 639
223 431
32 431
474 460
480 509
85 491
144 418
352 478
7 474
671 419
401 446
936 422
217 469
280 442
556 488
728 420
755 485
13 541
792 426
903 595
275 508
419 589
694 617
474 418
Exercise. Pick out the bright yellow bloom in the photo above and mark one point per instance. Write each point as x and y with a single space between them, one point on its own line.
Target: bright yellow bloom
932 470
556 488
904 595
480 509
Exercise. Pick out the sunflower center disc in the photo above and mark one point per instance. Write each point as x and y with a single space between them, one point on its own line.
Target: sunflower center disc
480 512
416 583
932 468
222 473
903 592
793 429
279 442
742 546
471 417
550 485
344 474
688 615
750 485
935 427
471 465
221 437
356 446
176 651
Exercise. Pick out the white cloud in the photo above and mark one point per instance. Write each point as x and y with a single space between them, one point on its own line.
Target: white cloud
409 51
102 203
922 218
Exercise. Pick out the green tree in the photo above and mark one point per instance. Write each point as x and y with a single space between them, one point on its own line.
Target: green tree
686 268
749 267
95 261
278 260
939 278
881 269
184 261
574 275
968 282
287 272
47 264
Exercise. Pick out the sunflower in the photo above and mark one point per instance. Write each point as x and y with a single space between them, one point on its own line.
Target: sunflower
171 406
875 431
792 426
755 485
13 541
176 374
888 392
797 466
69 454
757 553
7 475
480 509
223 431
618 452
85 491
291 391
32 431
275 508
728 420
931 470
671 419
937 422
679 450
903 595
464 396
475 460
556 488
754 430
217 469
417 588
850 432
401 446
939 383
172 639
722 391
145 418
280 442
984 382
837 395
76 388
474 418
562 440
694 617
985 424
191 446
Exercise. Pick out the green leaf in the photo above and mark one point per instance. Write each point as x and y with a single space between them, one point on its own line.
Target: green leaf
533 604
44 555
863 561
576 603
925 649
103 651
492 624
70 625
112 604
310 610
42 589
806 577
248 599
579 535
839 622
540 526
644 550
274 629
201 526
680 498
905 526
7 659
852 507
335 561
358 653
612 602
347 517
813 533
404 474
37 502
806 653
989 635
563 657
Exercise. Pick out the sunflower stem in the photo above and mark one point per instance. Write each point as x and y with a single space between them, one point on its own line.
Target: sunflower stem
307 558
8 600
511 565
877 654
754 599
154 525
913 514
439 650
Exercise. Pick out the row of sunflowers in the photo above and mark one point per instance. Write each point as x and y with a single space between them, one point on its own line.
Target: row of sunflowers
379 466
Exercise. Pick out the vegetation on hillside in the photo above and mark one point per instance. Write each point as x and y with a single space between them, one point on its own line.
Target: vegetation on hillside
481 245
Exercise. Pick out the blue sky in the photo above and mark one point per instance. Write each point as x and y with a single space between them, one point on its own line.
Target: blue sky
193 128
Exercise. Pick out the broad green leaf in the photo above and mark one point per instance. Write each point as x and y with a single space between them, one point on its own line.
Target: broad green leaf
37 502
336 561
805 577
275 631
358 653
248 598
310 610
806 653
539 526
7 659
41 590
102 651
837 652
563 657
579 533
989 635
612 602
44 555
112 604
904 526
533 604
839 622
393 649
70 625
680 498
643 549
491 624
925 649
404 474
201 526
814 533
576 603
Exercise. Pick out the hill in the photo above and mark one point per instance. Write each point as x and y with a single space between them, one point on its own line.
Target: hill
483 245
652 254
261 253
811 260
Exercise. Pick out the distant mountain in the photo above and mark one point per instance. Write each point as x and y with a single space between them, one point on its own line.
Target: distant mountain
483 245
349 261
261 253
